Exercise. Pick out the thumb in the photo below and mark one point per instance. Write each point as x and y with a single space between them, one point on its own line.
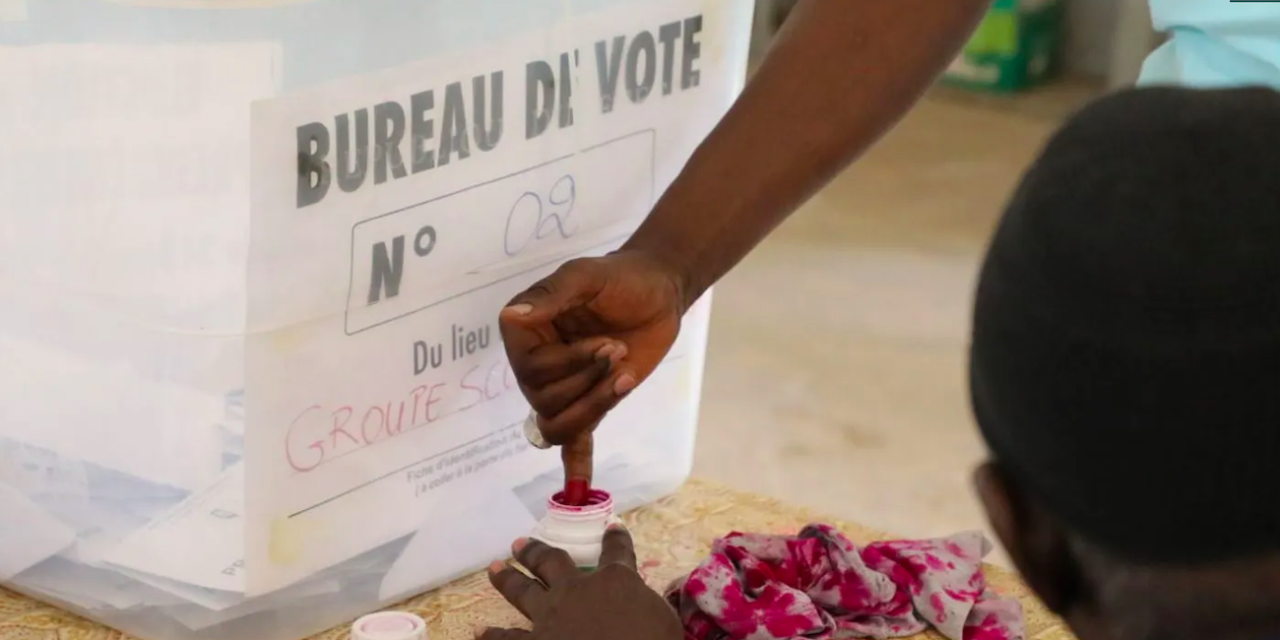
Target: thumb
573 284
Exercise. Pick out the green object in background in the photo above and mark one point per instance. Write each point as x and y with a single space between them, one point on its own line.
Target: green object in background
1016 46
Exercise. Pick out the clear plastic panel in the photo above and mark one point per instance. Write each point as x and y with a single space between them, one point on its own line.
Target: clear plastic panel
245 392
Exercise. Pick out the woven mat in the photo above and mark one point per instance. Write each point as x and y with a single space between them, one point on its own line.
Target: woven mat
672 536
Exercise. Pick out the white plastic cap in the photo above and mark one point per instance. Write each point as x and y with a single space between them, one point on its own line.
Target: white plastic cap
389 625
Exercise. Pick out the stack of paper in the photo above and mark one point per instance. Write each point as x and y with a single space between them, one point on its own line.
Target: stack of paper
109 544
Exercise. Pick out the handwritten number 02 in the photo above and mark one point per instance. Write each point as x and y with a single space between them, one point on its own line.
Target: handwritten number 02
526 197
563 194
548 220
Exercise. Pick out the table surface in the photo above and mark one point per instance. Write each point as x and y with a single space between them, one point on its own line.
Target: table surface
672 536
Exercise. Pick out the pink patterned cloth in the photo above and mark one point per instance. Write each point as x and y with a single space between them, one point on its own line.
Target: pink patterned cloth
818 585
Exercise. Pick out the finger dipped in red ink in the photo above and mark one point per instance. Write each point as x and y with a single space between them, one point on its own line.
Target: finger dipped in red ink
576 491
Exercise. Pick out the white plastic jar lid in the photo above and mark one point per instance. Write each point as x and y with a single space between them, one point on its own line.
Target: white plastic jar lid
389 625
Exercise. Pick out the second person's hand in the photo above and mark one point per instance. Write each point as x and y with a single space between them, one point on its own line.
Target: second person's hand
564 603
581 339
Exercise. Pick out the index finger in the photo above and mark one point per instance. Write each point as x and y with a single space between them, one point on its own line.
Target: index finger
552 566
521 336
618 548
577 457
524 593
528 319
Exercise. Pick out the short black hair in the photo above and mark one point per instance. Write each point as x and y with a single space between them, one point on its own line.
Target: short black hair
1125 363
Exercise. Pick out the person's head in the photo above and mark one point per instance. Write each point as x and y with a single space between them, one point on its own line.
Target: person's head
1125 368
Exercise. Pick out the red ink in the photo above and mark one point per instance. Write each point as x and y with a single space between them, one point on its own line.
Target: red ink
317 445
492 386
934 562
340 419
378 425
431 400
989 628
578 493
417 397
320 434
819 585
939 609
471 387
597 500
492 391
961 595
394 430
509 378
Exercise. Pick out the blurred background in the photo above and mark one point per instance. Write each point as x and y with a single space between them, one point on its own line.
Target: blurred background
836 369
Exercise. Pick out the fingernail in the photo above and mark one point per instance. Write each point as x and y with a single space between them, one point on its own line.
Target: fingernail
616 526
496 567
478 630
519 544
619 352
624 384
522 309
606 351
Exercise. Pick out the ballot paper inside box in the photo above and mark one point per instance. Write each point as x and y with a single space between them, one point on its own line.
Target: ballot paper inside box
252 259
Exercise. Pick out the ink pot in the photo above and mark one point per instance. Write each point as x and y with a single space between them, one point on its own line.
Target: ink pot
389 625
577 530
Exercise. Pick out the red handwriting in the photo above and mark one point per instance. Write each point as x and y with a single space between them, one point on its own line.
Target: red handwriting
320 433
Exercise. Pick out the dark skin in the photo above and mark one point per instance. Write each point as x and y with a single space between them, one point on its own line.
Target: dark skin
611 602
614 602
840 75
1038 547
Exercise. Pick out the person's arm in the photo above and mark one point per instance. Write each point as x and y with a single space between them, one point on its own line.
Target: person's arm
839 75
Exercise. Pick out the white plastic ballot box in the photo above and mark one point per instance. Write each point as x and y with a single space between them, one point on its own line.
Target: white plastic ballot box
252 255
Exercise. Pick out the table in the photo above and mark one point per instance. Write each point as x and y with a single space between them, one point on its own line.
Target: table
672 536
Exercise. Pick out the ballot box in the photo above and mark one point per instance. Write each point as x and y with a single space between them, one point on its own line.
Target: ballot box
252 258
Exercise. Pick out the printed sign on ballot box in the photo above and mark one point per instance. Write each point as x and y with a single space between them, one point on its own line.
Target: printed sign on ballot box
395 213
